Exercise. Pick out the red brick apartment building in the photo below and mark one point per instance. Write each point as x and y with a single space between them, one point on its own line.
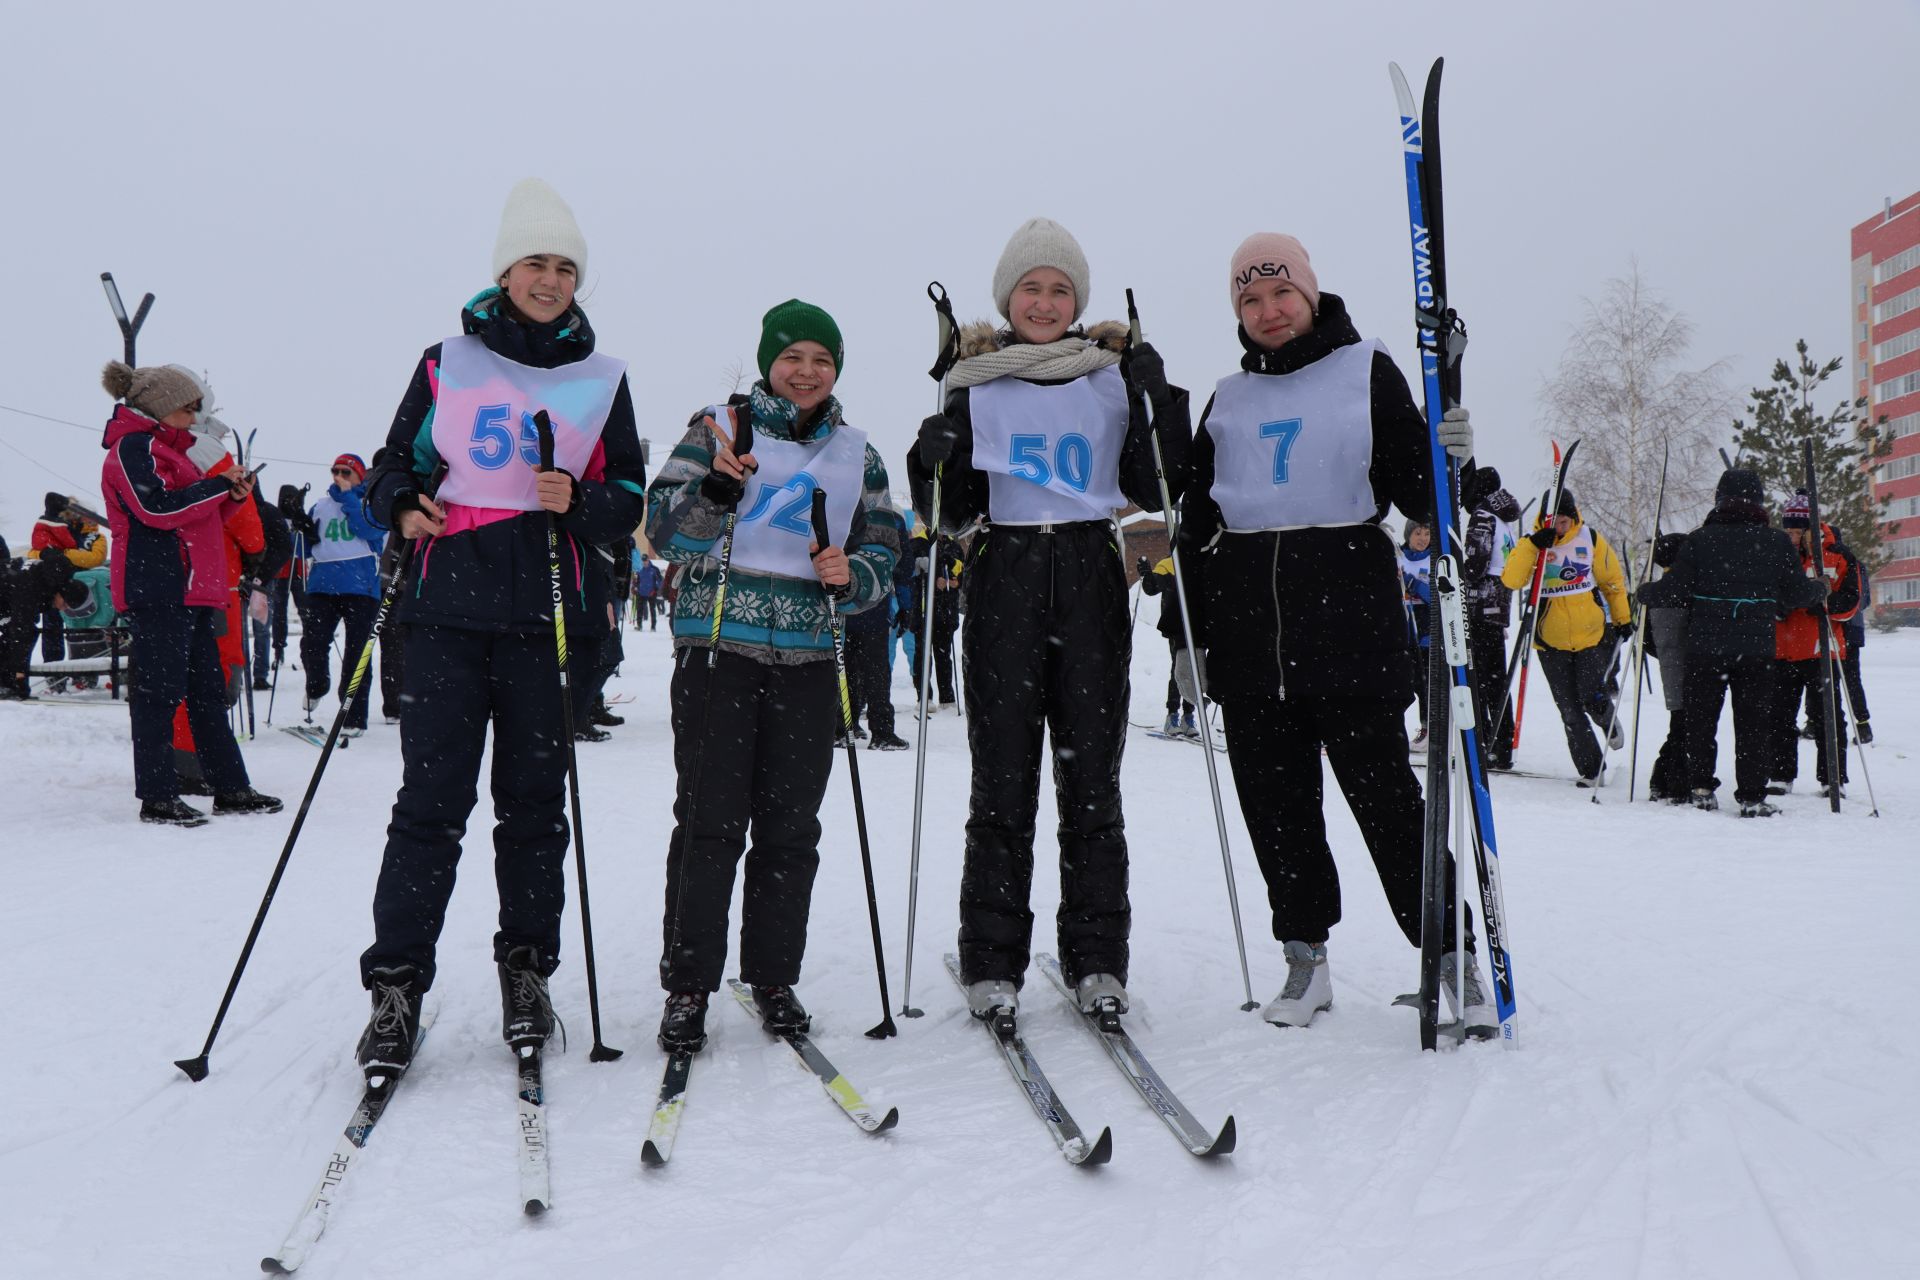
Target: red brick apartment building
1885 304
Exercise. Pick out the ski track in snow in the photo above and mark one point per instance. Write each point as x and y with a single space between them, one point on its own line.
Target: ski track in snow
1714 1078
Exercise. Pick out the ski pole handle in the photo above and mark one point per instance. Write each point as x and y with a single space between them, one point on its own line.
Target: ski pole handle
1133 321
820 535
113 298
543 432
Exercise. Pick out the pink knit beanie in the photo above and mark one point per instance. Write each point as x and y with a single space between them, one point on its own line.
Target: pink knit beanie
1266 254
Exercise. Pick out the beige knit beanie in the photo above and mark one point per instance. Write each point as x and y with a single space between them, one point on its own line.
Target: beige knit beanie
155 391
537 220
1040 242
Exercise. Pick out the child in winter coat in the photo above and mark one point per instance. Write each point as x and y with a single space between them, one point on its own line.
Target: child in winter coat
343 586
170 577
1415 557
480 643
1798 665
1572 636
1302 611
1734 576
1045 434
754 716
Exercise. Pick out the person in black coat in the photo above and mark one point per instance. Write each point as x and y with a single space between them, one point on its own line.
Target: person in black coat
1493 530
1046 432
481 650
1300 605
1736 575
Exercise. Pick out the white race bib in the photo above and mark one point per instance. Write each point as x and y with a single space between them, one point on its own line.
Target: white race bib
1051 453
483 421
1569 570
1293 450
337 540
776 508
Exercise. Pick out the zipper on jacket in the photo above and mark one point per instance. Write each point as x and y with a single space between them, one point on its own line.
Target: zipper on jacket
1279 659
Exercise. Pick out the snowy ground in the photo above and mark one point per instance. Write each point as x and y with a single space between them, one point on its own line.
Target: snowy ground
1714 1077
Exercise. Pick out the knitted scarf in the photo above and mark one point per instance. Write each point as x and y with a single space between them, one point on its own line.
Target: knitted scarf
1033 362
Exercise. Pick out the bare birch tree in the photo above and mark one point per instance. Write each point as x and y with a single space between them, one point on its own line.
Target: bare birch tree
1622 391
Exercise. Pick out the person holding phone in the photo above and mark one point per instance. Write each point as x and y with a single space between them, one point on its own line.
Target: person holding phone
169 575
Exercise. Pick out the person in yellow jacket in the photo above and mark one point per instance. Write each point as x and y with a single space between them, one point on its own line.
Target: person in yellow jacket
1574 636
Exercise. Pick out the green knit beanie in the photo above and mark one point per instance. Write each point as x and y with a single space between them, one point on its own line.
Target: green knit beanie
796 321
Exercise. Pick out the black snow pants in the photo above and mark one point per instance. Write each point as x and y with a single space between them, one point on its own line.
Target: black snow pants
869 678
462 681
393 669
326 610
1274 748
946 620
1046 652
177 657
1488 647
1750 678
1578 679
753 749
1793 681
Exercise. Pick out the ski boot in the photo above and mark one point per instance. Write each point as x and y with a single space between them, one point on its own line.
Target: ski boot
245 800
386 1046
1705 799
172 812
1309 988
1172 727
1102 996
995 1001
1188 729
1480 1022
683 1023
603 717
526 1008
887 742
1757 809
1863 733
1780 788
780 1010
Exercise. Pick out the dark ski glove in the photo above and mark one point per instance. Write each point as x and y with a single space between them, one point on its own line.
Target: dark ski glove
938 436
1543 538
1147 373
721 489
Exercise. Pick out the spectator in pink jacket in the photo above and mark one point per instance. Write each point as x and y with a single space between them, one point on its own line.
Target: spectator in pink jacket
169 574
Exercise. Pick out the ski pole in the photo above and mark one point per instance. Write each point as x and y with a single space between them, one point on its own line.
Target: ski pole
1859 748
1193 669
742 445
543 429
1817 567
948 351
822 539
394 572
1640 623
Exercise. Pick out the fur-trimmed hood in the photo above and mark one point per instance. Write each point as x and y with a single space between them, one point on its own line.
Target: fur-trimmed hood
981 336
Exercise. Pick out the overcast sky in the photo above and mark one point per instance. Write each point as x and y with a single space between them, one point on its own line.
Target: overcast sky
313 196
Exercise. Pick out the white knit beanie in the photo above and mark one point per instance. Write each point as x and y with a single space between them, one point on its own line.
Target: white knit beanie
1040 242
537 220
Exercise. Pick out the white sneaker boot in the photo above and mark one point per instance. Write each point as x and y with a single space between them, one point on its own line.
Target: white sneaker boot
993 1000
1309 988
1482 1023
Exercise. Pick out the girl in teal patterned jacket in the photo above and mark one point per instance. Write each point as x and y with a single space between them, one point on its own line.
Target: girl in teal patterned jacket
754 715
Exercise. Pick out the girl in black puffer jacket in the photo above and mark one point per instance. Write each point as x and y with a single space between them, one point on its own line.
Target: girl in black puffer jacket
1301 613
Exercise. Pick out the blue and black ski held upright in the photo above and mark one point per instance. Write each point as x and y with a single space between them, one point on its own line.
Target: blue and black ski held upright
1450 708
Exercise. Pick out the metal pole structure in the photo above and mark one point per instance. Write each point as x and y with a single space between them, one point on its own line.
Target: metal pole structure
196 1067
543 428
949 336
1193 668
822 539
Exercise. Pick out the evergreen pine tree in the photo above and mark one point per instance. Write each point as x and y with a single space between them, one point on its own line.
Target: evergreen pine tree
1845 447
